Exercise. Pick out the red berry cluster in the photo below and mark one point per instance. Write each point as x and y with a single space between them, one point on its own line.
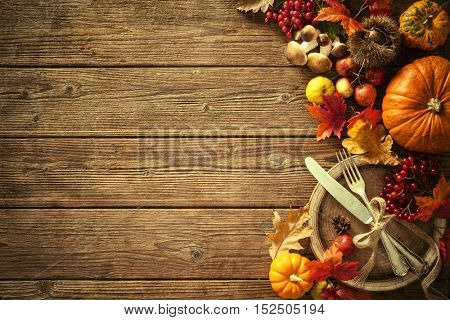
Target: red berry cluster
293 16
415 176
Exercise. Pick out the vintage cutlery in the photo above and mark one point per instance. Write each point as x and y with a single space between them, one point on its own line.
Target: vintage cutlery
357 184
347 199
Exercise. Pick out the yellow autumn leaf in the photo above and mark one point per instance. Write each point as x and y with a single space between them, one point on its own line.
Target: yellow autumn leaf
254 5
288 233
375 145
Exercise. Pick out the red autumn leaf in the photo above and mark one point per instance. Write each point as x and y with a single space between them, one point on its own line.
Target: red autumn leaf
438 205
318 271
331 116
444 245
381 8
332 266
338 12
345 271
341 292
368 114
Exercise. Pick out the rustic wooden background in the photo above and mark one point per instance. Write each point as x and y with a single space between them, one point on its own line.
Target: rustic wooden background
143 147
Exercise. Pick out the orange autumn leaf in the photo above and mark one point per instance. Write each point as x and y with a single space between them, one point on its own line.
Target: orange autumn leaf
337 12
368 114
438 205
331 116
332 266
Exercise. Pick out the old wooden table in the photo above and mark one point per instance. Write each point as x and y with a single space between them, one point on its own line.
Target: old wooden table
143 147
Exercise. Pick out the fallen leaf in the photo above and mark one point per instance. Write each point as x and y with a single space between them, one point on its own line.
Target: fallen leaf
438 205
332 266
333 256
380 8
331 116
341 292
375 145
444 245
288 233
368 114
345 271
318 271
254 5
338 12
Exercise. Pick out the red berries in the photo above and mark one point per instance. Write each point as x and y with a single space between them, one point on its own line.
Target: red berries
293 16
416 175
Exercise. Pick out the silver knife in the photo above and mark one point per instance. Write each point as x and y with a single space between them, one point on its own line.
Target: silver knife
360 211
339 192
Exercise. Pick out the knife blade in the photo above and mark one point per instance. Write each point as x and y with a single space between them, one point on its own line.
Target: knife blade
339 192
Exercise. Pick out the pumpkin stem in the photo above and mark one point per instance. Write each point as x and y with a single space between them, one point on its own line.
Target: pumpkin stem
295 278
434 105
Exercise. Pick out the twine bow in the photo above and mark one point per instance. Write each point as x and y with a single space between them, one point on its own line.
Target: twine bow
370 239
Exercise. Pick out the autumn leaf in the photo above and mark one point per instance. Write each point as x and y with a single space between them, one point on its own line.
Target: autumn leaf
331 116
338 12
341 292
438 205
345 271
288 233
368 114
375 145
381 8
444 245
332 266
318 271
254 5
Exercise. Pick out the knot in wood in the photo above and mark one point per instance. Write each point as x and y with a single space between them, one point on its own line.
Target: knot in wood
276 160
196 254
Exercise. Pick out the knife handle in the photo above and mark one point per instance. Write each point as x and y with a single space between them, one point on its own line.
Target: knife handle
399 266
415 262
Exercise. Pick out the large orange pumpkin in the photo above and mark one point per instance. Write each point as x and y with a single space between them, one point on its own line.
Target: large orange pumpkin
289 276
416 107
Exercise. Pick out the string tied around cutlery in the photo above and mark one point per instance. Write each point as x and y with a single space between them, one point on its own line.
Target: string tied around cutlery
371 238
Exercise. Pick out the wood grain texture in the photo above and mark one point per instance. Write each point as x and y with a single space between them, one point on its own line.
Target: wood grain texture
167 289
135 32
134 244
153 172
155 101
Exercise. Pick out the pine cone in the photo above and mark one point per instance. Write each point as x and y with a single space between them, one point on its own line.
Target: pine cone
340 224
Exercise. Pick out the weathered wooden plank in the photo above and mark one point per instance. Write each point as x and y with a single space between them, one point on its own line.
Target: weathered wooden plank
156 101
160 289
154 172
134 32
135 244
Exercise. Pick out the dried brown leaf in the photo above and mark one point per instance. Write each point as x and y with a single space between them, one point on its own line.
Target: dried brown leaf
288 233
254 5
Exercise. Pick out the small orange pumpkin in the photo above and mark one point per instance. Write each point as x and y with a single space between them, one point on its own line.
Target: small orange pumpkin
424 25
416 107
290 276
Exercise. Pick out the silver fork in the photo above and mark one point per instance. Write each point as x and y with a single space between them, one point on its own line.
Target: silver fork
356 183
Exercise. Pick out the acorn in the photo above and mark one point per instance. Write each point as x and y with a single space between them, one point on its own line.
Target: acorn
376 46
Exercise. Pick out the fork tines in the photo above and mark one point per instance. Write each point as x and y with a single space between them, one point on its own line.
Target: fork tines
350 169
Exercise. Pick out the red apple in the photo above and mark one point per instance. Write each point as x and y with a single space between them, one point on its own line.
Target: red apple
376 76
346 67
365 94
344 244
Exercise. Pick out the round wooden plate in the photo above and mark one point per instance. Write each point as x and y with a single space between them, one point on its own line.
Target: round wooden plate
323 207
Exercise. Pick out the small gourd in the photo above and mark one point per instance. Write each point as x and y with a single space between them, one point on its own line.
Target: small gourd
424 25
289 276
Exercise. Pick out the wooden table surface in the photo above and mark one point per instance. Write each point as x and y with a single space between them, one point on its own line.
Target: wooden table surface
144 145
